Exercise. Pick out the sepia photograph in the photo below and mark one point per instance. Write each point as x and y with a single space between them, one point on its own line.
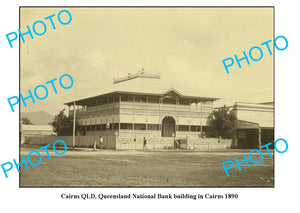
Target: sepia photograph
146 96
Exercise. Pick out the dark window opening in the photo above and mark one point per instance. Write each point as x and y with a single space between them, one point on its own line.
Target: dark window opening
169 101
98 127
183 128
184 102
116 126
195 128
127 98
153 126
140 126
126 126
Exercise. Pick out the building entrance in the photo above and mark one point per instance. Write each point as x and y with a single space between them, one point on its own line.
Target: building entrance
168 127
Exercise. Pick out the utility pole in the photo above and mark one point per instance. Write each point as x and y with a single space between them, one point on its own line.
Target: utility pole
74 121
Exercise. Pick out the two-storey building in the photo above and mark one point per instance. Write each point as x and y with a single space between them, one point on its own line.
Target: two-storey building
142 105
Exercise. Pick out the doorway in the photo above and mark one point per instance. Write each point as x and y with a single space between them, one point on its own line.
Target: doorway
168 127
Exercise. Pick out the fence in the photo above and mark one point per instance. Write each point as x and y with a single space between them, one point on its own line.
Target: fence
138 143
209 144
113 142
109 141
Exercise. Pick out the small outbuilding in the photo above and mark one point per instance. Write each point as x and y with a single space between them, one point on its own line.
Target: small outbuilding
29 131
254 124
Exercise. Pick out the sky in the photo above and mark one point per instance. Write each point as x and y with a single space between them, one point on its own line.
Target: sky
184 45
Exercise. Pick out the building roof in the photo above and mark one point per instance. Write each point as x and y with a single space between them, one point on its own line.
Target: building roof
36 127
261 114
256 106
240 124
240 105
144 84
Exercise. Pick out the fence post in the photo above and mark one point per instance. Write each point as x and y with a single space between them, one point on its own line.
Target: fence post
78 139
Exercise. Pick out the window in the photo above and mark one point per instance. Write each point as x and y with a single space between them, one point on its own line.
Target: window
169 101
184 102
82 130
98 127
183 128
116 126
126 126
153 126
140 126
195 128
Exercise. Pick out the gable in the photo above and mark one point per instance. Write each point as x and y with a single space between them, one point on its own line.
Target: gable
172 94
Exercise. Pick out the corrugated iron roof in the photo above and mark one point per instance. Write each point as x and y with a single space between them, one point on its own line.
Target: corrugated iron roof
149 86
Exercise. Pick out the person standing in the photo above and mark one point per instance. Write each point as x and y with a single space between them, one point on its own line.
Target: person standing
100 141
145 143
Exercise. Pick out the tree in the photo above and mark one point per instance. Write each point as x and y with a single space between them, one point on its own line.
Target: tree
26 121
62 124
222 123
